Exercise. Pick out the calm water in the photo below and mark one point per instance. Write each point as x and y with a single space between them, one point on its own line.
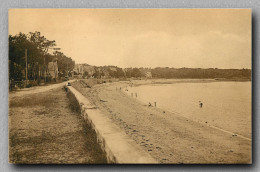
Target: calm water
226 105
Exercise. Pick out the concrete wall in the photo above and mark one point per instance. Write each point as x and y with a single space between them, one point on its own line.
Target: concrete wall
117 145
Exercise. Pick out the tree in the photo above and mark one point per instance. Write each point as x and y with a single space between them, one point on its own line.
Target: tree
43 45
136 73
129 72
65 64
85 74
97 73
37 56
120 72
17 46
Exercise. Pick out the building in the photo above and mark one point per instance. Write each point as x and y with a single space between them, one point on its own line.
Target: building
112 68
53 69
78 68
148 75
89 69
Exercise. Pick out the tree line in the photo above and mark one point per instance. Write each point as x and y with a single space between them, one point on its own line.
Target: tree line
37 48
211 73
171 73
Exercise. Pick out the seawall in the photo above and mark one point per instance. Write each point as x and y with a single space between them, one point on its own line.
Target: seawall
119 148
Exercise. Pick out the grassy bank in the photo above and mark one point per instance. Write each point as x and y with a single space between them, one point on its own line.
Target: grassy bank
48 128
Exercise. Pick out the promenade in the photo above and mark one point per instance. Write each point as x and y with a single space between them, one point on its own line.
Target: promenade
45 129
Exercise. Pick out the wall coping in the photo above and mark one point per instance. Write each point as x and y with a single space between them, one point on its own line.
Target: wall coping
119 147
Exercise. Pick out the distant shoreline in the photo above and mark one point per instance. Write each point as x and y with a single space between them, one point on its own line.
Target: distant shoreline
174 81
137 82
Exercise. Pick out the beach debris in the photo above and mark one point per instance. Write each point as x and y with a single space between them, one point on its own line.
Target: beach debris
159 148
231 151
234 134
149 104
150 150
151 114
155 104
206 122
103 100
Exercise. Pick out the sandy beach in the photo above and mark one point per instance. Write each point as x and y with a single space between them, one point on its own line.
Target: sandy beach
168 137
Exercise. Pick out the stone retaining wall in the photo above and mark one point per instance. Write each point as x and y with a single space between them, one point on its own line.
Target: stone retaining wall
118 147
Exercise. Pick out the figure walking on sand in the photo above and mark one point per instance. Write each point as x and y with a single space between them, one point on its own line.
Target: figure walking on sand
201 104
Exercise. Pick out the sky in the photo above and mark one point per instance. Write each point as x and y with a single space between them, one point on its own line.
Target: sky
196 38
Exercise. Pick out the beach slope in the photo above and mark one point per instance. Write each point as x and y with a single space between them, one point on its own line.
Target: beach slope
168 137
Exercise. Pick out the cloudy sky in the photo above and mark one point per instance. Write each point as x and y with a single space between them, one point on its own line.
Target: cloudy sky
199 38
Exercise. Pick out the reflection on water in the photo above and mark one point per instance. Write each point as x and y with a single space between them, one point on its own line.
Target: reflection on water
226 105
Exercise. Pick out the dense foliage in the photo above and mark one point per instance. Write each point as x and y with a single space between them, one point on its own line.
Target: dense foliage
201 73
166 72
38 57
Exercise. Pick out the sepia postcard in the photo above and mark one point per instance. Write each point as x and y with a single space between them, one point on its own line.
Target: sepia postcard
130 86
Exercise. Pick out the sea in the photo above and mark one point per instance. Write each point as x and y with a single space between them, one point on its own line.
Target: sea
225 105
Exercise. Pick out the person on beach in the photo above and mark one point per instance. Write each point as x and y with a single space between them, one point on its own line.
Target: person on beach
201 104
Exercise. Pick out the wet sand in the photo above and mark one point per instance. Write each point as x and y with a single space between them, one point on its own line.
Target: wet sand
168 137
